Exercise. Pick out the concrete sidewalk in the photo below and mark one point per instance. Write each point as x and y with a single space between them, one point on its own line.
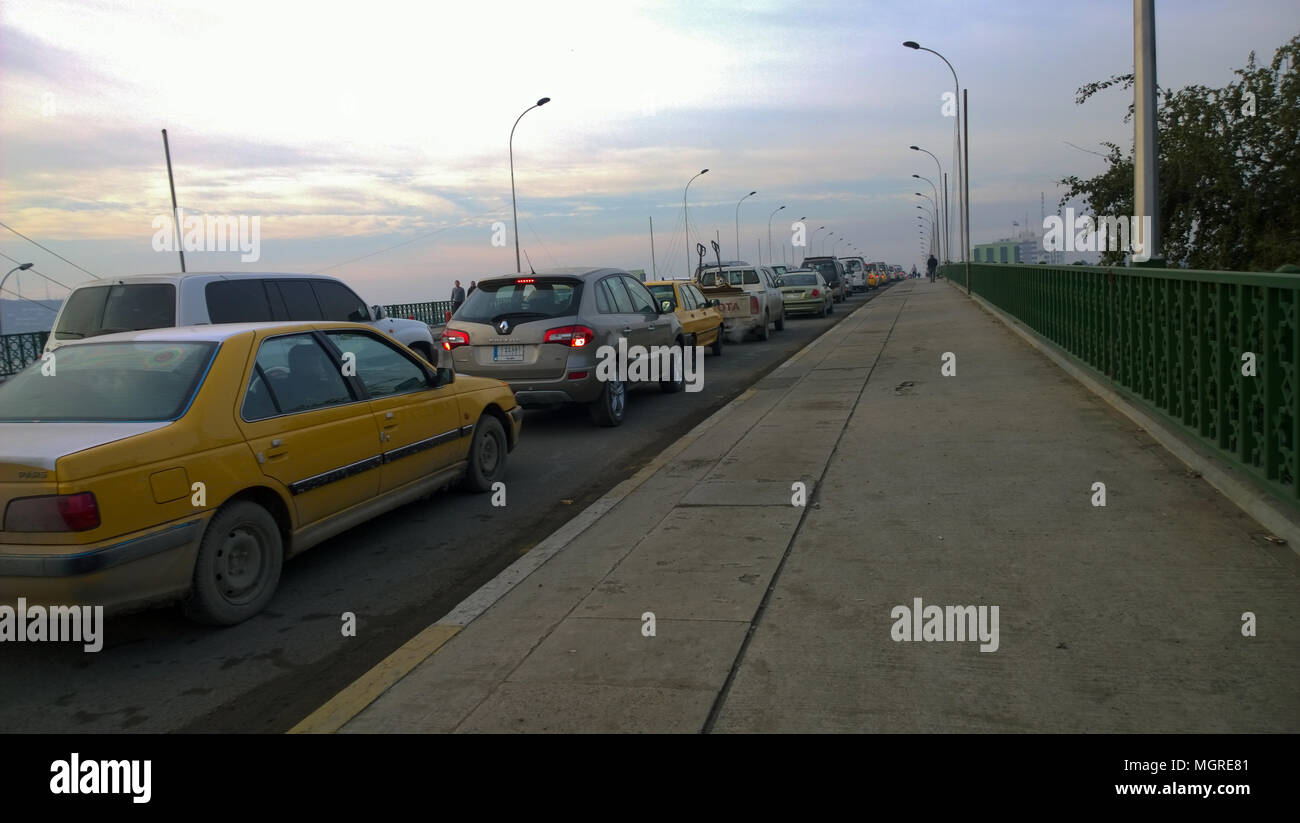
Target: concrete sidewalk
969 490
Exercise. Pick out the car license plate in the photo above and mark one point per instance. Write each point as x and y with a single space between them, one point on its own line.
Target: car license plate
507 353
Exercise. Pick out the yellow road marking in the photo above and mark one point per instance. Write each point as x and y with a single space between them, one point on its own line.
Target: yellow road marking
367 688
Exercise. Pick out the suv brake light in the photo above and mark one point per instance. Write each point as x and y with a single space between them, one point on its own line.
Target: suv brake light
451 338
52 513
573 336
753 305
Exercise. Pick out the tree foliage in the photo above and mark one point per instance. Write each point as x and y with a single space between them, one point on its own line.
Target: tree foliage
1229 169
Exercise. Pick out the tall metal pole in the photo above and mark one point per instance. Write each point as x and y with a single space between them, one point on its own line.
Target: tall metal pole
742 200
1146 182
176 215
687 223
654 267
771 258
946 224
965 197
513 209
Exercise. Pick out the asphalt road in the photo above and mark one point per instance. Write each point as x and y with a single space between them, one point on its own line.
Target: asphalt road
157 672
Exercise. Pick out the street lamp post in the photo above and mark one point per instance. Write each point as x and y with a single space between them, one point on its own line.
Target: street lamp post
19 267
770 258
937 204
813 237
828 236
513 209
742 200
947 241
960 123
687 223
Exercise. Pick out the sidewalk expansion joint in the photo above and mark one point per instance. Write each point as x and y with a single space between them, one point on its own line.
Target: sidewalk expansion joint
812 503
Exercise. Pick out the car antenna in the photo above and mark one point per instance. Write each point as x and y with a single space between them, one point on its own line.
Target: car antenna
530 262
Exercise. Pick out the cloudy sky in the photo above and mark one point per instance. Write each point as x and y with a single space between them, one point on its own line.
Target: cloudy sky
370 139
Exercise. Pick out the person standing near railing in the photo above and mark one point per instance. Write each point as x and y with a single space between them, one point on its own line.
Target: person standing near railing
930 266
457 297
473 284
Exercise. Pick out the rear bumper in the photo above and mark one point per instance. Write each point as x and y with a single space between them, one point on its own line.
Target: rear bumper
811 306
143 567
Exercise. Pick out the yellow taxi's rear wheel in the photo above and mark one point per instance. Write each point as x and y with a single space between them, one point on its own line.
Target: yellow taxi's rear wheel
487 455
238 566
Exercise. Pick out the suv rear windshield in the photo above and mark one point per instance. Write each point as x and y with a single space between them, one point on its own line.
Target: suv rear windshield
522 299
826 268
97 310
102 382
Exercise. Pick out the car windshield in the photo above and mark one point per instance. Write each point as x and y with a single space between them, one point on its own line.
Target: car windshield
799 279
118 307
102 382
523 299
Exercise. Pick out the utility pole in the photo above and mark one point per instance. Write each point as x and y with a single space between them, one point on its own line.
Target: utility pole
1146 182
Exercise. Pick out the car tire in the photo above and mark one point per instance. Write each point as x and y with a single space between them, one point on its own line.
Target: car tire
611 407
823 312
765 334
830 307
716 348
780 321
487 455
238 566
671 386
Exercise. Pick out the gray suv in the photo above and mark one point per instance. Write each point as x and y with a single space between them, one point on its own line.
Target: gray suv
541 333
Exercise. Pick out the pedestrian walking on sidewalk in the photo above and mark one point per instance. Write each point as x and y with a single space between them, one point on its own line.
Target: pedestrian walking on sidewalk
457 297
930 266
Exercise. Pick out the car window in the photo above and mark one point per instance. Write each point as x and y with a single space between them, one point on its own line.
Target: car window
800 279
688 297
642 302
109 382
523 298
338 302
293 374
618 293
381 369
237 301
662 293
604 303
117 307
299 300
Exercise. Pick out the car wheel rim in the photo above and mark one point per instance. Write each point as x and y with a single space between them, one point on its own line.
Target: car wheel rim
489 454
241 564
617 397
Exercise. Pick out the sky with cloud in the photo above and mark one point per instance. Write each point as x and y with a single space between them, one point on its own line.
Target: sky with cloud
370 139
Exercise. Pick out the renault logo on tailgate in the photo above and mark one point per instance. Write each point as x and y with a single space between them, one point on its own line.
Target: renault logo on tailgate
504 326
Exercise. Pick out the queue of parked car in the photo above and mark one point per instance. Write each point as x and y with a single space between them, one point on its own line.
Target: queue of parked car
185 434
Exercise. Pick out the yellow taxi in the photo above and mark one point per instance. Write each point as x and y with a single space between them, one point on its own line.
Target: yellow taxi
701 321
188 463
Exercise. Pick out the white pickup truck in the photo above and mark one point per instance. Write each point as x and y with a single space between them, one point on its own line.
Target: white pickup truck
749 298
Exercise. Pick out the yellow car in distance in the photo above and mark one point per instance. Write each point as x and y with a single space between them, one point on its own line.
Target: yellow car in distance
701 321
188 463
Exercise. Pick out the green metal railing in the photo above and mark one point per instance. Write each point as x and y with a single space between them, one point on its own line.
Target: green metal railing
1175 342
18 351
434 313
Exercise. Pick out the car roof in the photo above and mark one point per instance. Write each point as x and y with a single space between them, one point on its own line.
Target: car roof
211 332
579 272
174 277
683 282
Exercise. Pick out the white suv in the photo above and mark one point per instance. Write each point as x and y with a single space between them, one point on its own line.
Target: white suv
152 301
